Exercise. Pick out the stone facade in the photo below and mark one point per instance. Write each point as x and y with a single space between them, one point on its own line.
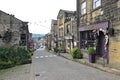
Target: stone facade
48 41
103 20
11 29
67 30
111 10
70 31
54 32
61 19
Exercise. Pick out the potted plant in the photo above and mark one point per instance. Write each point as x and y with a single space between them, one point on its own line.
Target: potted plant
91 52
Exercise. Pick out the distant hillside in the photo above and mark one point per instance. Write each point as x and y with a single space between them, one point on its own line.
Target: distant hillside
35 36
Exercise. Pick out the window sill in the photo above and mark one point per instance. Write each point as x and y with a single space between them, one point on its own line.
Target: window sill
96 8
83 15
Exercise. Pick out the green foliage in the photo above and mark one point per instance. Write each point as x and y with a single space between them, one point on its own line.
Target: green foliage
91 50
55 49
4 65
30 54
76 54
59 49
11 57
63 50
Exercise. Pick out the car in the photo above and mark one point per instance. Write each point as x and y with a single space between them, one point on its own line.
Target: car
41 46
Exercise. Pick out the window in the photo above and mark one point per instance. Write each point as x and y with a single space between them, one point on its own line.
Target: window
87 39
68 29
83 8
96 3
23 39
23 36
61 32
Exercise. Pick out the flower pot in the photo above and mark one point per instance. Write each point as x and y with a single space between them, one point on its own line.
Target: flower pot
92 58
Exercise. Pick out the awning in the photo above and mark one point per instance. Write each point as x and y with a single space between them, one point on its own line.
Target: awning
102 25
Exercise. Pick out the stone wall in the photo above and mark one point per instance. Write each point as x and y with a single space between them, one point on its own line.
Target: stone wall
14 25
112 13
114 48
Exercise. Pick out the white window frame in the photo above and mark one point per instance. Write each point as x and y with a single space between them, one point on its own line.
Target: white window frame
96 3
83 8
68 28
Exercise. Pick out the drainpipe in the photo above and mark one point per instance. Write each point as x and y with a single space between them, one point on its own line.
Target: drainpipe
78 21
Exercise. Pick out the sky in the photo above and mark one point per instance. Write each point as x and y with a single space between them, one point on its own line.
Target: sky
38 13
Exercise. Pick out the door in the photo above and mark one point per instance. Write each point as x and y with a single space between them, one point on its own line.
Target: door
101 46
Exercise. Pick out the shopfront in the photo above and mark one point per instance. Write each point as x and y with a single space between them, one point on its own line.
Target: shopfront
96 36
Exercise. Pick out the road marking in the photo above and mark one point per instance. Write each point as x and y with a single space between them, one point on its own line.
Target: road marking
41 56
50 55
54 55
36 57
46 56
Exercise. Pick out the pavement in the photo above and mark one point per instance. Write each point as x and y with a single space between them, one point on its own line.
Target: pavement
21 72
95 65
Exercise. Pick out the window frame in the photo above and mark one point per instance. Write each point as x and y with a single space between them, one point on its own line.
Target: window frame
68 28
95 2
86 40
83 8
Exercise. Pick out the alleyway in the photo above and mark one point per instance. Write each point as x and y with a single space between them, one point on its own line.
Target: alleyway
47 66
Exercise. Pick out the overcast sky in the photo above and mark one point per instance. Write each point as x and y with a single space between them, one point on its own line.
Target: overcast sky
37 12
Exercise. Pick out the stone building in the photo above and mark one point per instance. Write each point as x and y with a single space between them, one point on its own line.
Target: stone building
99 27
24 35
54 34
67 31
111 13
30 42
61 19
70 30
48 41
12 31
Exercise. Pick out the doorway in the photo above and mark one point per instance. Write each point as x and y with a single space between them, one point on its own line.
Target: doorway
100 44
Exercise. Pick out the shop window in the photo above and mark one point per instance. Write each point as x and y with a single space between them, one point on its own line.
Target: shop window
87 39
96 3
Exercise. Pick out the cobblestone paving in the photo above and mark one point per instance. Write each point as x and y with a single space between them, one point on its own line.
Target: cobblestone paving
21 72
